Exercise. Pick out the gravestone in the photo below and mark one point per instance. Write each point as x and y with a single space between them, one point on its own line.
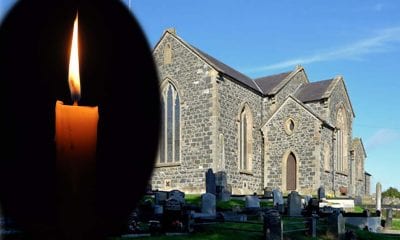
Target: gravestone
294 204
336 225
358 200
208 204
278 200
389 218
177 195
221 179
252 202
210 182
307 199
160 197
226 193
173 218
321 193
221 186
378 196
268 192
273 228
158 209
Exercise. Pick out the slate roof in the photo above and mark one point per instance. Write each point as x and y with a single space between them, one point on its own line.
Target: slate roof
268 83
227 70
314 91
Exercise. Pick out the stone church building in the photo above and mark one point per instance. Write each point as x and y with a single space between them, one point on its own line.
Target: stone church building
279 131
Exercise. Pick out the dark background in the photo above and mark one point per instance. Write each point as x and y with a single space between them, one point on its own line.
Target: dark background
117 75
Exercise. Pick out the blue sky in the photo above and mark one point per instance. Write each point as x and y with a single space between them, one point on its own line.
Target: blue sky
357 39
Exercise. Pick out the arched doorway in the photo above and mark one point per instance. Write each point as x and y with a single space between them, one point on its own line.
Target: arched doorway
291 172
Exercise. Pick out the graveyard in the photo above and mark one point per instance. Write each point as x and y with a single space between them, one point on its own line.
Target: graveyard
218 214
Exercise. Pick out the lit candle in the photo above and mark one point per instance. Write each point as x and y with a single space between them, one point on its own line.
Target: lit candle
76 126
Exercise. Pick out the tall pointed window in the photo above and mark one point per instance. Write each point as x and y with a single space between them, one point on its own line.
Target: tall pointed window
170 126
341 142
245 139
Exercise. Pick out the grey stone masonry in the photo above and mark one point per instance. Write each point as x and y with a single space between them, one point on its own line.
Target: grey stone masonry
281 142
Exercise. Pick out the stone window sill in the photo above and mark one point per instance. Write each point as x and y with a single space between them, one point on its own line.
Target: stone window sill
159 165
247 172
327 171
341 173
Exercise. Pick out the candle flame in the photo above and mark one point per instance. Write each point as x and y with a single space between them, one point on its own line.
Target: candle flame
73 74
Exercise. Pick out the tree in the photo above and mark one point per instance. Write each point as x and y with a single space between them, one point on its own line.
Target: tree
391 192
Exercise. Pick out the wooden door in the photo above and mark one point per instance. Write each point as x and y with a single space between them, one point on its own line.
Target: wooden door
291 172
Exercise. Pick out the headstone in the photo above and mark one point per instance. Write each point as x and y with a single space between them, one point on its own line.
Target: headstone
160 197
226 194
268 192
273 228
252 202
278 200
158 209
378 196
221 179
321 193
277 195
336 225
307 199
294 204
389 218
358 200
222 190
210 182
172 220
208 203
177 195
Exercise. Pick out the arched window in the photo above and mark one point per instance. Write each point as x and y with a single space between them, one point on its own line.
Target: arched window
245 139
170 126
341 141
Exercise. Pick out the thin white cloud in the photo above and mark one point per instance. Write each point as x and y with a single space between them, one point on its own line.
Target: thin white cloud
382 137
381 42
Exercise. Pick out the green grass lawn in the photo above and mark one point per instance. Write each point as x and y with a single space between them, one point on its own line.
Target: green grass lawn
396 224
222 205
238 231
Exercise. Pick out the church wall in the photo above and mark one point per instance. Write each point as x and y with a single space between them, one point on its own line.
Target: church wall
339 98
194 80
290 88
326 159
320 108
360 176
303 142
232 97
272 103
